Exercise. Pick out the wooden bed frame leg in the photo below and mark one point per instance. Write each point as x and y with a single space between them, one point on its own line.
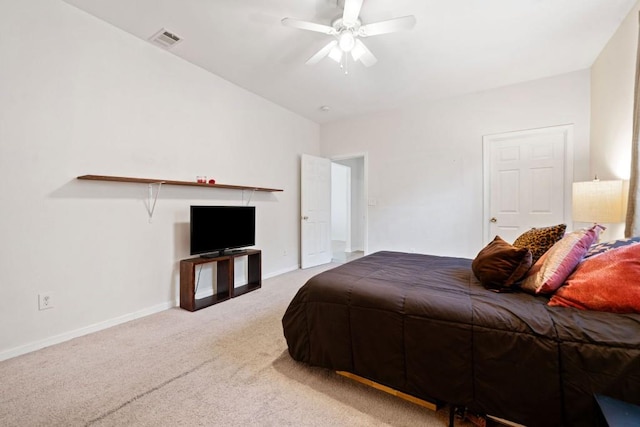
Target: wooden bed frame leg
478 420
425 403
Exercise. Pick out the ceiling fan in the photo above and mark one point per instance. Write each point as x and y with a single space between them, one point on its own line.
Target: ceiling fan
347 31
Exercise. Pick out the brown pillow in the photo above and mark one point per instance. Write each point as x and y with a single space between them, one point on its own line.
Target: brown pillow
540 240
500 265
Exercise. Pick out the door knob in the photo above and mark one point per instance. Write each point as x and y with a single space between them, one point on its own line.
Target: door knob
494 219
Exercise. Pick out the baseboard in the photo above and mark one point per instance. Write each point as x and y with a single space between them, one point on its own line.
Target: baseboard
279 272
57 339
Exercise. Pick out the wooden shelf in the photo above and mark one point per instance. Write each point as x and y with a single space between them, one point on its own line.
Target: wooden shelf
210 300
171 182
225 288
241 290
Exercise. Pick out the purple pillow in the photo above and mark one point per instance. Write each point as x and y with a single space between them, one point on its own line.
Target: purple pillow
551 270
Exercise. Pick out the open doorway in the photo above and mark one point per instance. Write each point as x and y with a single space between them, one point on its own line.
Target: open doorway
348 208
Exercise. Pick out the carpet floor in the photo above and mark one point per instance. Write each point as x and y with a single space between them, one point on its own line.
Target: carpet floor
225 365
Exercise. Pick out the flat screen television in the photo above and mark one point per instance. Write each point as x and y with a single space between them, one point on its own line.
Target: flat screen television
215 229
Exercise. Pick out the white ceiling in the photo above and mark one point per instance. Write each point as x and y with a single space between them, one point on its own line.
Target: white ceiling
456 47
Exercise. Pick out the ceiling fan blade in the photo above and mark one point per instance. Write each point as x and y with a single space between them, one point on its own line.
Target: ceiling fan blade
351 11
306 25
361 52
322 53
390 26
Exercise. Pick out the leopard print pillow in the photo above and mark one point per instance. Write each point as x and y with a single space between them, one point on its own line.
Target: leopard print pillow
540 240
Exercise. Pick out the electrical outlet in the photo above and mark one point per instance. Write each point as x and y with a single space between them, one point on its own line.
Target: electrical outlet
45 300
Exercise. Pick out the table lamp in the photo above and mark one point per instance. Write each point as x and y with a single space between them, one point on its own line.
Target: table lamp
601 202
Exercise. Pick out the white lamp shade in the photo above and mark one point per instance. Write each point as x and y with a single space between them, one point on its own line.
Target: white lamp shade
599 201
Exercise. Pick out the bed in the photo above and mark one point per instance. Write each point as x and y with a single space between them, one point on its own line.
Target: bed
424 325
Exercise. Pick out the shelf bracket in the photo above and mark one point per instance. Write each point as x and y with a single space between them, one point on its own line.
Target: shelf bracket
151 204
253 191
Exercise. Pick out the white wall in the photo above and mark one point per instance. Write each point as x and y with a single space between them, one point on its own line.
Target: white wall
425 161
80 96
612 87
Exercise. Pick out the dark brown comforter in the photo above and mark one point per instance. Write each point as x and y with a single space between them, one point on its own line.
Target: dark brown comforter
425 326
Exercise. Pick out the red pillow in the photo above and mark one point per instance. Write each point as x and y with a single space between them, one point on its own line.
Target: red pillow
607 282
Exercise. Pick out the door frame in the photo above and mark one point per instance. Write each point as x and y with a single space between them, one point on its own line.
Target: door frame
365 157
487 140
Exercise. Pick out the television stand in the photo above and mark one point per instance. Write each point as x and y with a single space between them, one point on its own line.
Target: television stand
225 288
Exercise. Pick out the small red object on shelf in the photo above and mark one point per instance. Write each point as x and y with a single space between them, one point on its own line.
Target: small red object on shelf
212 181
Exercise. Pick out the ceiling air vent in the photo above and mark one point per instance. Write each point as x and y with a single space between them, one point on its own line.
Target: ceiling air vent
165 39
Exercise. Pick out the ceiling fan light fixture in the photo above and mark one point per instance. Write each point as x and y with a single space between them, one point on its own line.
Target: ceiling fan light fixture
347 41
336 54
347 32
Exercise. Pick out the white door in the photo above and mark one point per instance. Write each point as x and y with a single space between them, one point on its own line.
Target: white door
315 232
527 176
